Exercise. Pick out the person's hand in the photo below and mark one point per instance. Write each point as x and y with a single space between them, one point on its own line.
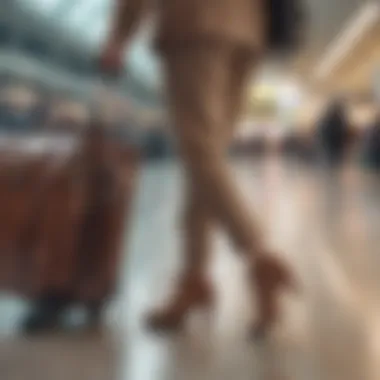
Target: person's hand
111 59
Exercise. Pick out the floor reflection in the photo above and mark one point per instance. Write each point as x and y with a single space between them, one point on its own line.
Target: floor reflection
324 223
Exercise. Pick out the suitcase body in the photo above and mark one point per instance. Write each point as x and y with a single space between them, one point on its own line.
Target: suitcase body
64 200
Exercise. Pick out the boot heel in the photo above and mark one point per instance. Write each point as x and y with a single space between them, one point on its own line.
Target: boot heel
206 301
191 295
289 283
270 277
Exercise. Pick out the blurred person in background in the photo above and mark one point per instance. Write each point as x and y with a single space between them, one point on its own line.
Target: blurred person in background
208 51
371 145
334 133
18 107
42 108
68 116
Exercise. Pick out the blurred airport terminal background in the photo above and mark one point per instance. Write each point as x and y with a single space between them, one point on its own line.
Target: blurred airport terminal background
48 76
302 117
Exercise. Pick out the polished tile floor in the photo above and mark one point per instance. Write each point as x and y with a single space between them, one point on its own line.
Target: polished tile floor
324 223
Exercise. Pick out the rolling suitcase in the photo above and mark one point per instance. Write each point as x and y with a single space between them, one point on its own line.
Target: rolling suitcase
111 177
64 201
31 169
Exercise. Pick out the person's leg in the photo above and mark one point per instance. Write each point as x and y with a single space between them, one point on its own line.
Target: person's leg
268 272
192 288
200 85
198 219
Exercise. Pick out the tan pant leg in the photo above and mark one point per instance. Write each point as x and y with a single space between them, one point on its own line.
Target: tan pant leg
197 228
241 67
198 221
199 85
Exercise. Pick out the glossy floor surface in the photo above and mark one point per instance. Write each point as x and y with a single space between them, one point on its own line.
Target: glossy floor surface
325 224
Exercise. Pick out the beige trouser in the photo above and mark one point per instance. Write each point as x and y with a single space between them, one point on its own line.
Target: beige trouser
206 87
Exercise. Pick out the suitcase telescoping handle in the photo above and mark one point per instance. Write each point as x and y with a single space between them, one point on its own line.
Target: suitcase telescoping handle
108 92
109 79
107 83
107 86
109 70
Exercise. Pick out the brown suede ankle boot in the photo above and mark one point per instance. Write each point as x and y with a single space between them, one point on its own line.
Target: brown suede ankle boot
192 292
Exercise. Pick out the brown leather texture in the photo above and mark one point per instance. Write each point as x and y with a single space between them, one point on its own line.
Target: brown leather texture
63 200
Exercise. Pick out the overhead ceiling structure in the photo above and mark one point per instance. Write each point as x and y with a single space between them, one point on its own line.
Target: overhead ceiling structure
72 32
326 20
343 46
350 62
69 34
85 24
